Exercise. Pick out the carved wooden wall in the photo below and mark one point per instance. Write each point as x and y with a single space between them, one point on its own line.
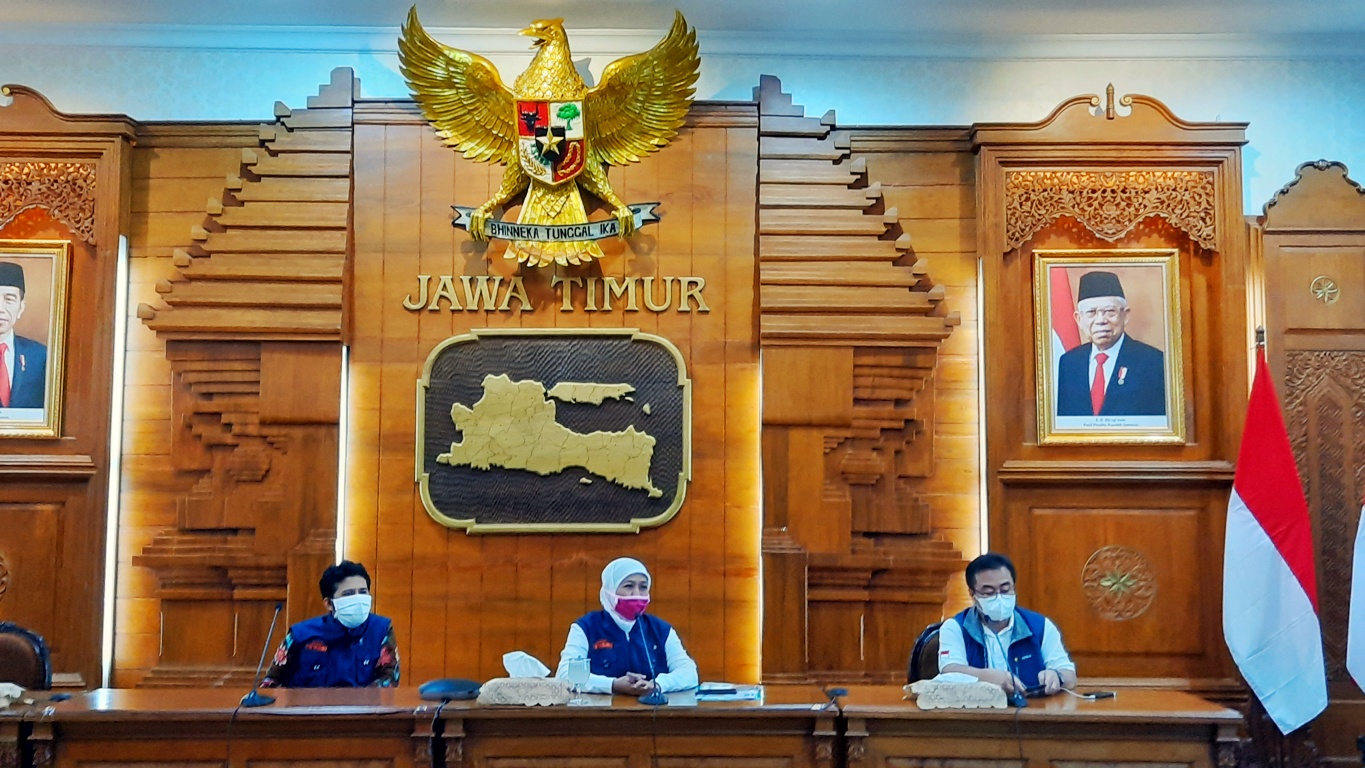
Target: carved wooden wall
1097 178
848 255
233 392
852 325
460 601
239 241
64 177
1313 235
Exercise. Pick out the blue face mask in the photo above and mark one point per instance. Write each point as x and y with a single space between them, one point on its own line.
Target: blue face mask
352 610
996 607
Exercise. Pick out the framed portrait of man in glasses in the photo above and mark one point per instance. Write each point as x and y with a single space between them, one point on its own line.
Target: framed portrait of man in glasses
1108 338
33 284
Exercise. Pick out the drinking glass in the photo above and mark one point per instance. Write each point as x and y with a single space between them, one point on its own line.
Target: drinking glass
578 674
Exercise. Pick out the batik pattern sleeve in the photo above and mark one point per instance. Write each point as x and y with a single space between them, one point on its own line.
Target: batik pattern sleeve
386 671
281 670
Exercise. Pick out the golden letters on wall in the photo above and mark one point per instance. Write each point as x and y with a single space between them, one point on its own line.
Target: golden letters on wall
553 429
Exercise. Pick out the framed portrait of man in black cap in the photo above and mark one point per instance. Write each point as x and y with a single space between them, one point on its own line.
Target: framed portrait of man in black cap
33 281
1107 335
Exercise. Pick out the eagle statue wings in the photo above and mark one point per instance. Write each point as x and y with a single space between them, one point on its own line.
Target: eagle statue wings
552 132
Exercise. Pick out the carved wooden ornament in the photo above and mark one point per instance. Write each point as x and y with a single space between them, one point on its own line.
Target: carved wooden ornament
66 190
1118 583
1110 203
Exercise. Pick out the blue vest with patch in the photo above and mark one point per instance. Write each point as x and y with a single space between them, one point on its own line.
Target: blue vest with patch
328 655
612 653
1025 652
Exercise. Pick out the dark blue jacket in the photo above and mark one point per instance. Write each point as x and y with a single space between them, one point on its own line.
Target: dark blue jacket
613 654
1141 391
30 374
1025 652
325 654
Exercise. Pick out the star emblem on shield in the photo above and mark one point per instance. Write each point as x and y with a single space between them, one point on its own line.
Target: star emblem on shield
551 139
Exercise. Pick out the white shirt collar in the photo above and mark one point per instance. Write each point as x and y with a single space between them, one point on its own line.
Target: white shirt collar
625 626
1112 352
1009 626
8 340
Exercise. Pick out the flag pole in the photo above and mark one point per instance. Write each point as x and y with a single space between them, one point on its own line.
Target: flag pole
1260 337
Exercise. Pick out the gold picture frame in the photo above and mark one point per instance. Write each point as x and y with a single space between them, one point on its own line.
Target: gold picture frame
33 299
1091 306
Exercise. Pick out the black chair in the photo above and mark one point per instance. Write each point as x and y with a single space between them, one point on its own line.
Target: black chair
24 658
924 656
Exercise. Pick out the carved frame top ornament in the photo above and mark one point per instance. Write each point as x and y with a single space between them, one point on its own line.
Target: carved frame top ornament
1110 163
1321 195
1321 166
1110 203
65 189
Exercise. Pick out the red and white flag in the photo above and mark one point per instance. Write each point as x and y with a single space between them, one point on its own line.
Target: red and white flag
1066 335
1355 636
1270 593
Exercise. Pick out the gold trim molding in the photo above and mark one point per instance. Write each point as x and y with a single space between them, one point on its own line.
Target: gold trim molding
1110 203
66 190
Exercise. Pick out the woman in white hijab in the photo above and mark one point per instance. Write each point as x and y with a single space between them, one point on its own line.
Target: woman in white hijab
628 651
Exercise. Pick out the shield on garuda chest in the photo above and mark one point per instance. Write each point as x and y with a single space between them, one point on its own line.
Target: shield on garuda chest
551 143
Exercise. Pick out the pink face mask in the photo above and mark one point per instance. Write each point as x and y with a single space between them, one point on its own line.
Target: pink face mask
631 607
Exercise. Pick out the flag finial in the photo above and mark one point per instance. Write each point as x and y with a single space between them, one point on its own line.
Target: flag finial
1260 337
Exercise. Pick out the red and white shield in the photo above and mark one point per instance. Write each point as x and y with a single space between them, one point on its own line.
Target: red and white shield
551 142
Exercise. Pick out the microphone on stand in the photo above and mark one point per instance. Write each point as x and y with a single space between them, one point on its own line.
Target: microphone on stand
1017 698
255 698
834 695
655 697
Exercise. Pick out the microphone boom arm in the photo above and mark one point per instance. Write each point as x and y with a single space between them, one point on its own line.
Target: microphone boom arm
255 698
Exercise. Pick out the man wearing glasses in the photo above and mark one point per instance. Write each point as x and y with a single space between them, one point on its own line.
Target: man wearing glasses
1114 374
998 642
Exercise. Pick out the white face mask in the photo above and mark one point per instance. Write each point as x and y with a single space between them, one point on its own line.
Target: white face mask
352 610
996 607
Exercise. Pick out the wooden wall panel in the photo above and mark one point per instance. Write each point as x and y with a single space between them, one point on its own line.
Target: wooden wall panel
1067 543
929 177
232 388
65 178
1313 234
459 601
30 540
1145 510
860 507
175 172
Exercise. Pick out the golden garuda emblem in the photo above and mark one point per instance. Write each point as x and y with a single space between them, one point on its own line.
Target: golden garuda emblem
552 132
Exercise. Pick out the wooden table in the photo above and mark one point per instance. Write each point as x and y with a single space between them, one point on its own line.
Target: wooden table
1139 727
196 728
792 727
